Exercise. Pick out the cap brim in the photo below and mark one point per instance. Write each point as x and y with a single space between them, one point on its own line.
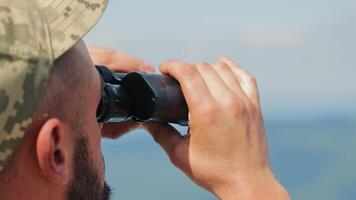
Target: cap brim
70 20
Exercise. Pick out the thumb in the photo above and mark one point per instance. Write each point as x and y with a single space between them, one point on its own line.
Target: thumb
175 145
165 135
116 130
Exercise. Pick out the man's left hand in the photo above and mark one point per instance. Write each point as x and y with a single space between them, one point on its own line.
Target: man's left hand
120 62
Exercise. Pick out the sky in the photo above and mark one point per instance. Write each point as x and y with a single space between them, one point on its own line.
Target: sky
303 53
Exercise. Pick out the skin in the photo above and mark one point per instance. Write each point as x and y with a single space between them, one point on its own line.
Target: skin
43 163
225 151
119 62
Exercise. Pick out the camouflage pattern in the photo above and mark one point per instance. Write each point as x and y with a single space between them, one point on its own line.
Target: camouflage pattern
70 20
25 61
32 34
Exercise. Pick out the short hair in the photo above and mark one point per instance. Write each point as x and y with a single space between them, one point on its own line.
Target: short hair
63 95
61 91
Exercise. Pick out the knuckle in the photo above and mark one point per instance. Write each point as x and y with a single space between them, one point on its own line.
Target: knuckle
140 62
172 156
176 155
208 112
248 110
237 65
233 64
238 108
188 70
252 80
170 64
174 151
222 67
253 111
210 108
174 161
232 102
203 65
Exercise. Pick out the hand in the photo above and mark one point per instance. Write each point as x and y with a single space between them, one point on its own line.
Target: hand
120 62
225 150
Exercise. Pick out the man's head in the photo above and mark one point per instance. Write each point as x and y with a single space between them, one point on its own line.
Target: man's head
73 94
49 93
60 154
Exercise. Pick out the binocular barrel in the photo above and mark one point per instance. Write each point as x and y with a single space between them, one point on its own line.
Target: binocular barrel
140 97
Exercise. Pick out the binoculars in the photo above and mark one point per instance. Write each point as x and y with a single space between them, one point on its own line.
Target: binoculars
140 97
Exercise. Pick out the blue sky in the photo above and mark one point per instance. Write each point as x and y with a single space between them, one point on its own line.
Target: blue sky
303 53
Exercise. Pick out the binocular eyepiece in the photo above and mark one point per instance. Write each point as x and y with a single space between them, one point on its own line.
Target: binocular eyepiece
140 97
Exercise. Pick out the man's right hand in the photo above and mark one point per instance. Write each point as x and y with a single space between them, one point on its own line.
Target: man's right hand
225 150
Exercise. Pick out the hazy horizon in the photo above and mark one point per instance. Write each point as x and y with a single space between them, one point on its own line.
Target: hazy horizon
303 56
302 53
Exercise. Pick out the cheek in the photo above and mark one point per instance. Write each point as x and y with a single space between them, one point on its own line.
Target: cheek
95 133
94 137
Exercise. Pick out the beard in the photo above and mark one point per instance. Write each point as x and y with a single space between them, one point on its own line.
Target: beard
86 184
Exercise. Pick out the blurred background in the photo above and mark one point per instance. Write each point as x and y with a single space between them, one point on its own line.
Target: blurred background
303 54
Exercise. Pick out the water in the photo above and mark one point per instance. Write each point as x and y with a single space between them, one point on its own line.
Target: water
137 168
313 158
303 56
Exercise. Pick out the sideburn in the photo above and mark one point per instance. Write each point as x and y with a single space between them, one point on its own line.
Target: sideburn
86 183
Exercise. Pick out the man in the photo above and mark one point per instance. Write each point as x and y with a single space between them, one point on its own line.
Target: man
49 93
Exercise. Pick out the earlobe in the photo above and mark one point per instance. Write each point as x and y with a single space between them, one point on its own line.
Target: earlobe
52 152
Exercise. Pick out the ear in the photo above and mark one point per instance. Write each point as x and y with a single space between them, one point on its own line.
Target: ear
53 152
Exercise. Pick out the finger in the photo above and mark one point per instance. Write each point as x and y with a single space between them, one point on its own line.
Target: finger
116 130
217 87
247 81
118 61
169 139
192 83
229 78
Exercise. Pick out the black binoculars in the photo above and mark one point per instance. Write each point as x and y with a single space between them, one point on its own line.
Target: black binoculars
140 97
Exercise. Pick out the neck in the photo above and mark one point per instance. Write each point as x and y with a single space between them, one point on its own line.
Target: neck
15 184
22 180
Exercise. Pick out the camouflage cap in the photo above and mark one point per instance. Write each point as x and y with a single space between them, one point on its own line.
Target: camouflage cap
33 33
70 20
